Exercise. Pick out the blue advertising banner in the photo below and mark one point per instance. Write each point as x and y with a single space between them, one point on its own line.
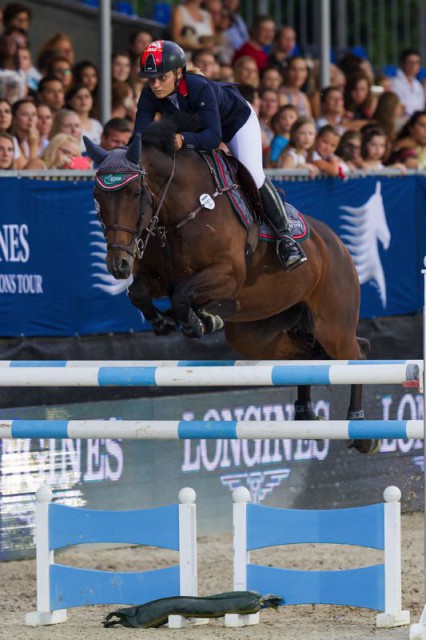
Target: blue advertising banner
53 279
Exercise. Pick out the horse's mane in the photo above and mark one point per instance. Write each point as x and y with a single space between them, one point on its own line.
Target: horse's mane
161 134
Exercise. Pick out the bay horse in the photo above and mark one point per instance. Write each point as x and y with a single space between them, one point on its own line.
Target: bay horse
148 199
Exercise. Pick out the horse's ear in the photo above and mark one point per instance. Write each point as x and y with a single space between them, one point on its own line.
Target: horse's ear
96 153
133 153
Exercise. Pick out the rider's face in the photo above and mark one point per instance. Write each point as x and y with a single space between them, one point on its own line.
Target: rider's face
164 85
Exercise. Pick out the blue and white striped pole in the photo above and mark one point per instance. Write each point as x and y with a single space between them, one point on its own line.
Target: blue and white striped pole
211 430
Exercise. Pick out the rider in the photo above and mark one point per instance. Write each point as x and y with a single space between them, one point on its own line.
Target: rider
224 115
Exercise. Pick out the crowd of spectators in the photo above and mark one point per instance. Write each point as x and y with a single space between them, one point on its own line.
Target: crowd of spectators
49 98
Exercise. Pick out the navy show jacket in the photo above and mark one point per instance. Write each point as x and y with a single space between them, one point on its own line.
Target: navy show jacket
220 107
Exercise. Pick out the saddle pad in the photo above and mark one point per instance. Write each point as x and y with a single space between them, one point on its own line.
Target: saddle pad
299 228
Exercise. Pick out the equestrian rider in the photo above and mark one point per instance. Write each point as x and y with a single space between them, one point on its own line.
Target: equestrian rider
224 116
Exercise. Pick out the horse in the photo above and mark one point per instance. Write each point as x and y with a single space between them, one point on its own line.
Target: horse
147 197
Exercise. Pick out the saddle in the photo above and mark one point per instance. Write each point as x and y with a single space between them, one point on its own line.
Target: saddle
230 173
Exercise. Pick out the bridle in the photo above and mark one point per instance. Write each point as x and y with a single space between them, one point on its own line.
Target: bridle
137 244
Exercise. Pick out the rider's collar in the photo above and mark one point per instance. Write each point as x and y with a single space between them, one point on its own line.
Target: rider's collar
182 88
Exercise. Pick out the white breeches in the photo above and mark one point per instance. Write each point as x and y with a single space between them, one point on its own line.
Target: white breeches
246 146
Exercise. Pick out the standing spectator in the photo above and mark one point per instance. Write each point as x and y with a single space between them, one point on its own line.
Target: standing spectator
411 142
324 156
7 160
281 124
296 76
262 34
360 102
44 124
25 130
332 109
349 149
406 86
284 47
190 15
246 72
116 133
80 100
60 67
375 150
237 31
13 85
389 114
16 14
301 146
51 92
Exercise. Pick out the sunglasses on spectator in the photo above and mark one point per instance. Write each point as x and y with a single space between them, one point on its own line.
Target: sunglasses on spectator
65 72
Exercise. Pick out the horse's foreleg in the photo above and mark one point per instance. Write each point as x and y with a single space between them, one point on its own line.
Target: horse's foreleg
303 407
141 297
210 284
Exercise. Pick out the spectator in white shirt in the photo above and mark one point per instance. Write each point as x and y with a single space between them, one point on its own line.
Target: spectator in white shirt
406 86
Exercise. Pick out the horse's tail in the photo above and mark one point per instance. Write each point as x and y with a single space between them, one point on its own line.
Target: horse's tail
364 347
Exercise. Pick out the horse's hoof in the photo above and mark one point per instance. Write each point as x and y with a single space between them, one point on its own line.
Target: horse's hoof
194 330
366 446
164 325
210 321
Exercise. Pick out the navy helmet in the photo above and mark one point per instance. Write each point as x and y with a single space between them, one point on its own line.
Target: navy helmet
160 57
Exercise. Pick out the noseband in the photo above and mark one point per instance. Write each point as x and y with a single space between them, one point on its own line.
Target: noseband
137 244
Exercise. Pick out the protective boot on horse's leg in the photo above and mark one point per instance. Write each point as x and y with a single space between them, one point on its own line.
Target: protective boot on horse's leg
289 252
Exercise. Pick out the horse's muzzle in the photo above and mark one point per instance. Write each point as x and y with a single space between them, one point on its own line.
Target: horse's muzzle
120 267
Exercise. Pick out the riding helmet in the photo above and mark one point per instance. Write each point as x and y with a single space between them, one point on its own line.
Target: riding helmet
160 57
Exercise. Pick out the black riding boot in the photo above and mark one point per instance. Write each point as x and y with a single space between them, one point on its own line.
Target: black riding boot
289 252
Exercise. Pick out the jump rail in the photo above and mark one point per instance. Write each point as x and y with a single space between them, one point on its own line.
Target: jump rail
195 363
210 430
208 376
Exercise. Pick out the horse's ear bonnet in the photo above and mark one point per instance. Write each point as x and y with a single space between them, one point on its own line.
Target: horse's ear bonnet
133 153
96 153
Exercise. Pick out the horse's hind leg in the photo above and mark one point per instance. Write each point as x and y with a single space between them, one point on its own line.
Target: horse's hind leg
303 407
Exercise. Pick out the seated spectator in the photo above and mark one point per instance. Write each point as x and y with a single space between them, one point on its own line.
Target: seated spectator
299 151
246 72
116 133
67 121
32 75
60 68
332 109
138 41
375 150
223 49
360 102
389 114
44 124
226 73
59 44
281 124
349 149
251 95
190 14
262 34
80 100
62 152
351 64
123 104
271 78
268 108
13 81
6 125
283 47
7 160
237 31
205 61
296 76
50 91
86 73
121 67
406 86
383 81
324 154
16 14
24 128
410 145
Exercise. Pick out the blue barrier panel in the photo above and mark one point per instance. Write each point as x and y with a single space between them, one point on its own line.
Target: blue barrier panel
53 279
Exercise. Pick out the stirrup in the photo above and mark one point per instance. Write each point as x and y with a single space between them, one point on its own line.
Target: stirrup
295 254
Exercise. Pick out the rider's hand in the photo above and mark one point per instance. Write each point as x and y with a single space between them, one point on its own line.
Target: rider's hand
178 141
